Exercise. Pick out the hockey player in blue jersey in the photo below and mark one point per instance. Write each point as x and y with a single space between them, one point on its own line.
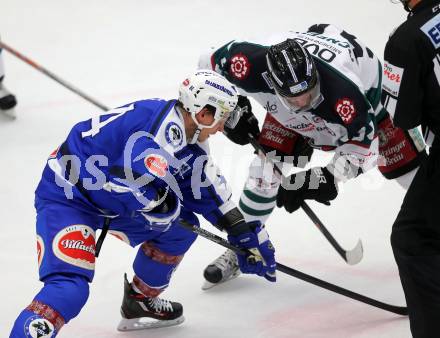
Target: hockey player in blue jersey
136 172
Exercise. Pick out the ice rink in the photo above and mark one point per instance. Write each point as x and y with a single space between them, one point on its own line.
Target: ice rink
121 51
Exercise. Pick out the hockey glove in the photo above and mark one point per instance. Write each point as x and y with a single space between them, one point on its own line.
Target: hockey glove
314 184
248 123
253 237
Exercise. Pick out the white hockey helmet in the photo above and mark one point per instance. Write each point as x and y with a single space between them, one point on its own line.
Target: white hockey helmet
208 88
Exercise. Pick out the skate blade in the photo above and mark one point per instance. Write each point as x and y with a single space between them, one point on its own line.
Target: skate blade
208 285
147 323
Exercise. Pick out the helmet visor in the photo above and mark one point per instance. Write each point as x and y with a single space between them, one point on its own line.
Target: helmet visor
230 119
234 117
307 100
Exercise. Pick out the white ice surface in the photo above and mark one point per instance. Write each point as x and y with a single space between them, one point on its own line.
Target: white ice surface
119 51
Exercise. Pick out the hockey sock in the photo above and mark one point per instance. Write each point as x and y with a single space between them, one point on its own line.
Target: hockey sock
60 300
153 269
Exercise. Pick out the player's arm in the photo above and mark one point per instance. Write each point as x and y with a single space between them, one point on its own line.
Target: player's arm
402 95
142 182
352 157
212 198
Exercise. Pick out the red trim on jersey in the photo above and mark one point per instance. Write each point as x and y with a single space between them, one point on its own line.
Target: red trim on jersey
47 313
360 144
212 62
159 256
145 289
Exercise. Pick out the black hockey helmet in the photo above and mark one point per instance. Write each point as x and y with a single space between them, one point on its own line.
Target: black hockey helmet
293 72
291 68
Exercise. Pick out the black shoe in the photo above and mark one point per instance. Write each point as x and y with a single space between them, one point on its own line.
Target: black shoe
7 100
221 270
141 312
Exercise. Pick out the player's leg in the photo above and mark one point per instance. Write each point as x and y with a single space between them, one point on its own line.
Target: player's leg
61 299
157 258
415 241
258 199
65 244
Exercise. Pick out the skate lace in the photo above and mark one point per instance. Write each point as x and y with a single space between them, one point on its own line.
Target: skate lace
227 262
159 304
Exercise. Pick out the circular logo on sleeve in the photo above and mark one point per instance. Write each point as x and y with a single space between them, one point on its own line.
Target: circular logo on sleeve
156 164
240 66
37 327
174 134
346 110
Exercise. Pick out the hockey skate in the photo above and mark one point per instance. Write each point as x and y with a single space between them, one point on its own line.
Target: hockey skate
7 102
140 312
223 269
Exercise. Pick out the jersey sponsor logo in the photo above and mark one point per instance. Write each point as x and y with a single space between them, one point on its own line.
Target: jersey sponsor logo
120 235
271 107
37 327
302 127
174 134
40 249
240 66
277 136
392 78
432 30
156 164
75 245
346 110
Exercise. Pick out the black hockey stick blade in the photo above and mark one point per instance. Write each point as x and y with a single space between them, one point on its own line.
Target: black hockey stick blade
352 256
400 310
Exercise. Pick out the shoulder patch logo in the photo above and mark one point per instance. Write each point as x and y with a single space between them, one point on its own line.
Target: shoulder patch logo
75 245
174 134
37 327
156 164
432 30
240 66
346 110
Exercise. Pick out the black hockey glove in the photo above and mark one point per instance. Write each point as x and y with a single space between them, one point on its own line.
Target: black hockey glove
314 184
248 123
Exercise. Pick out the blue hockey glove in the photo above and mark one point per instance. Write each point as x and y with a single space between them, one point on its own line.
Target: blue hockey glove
253 237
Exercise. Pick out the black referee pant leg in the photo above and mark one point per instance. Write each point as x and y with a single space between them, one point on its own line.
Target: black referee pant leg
415 240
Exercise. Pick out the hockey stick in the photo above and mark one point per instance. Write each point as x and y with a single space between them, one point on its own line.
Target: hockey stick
51 75
400 310
352 256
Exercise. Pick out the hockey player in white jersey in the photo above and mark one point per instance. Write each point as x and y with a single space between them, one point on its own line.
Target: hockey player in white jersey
321 90
7 99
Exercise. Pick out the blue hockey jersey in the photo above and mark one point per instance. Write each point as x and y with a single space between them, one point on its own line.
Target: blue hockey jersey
123 162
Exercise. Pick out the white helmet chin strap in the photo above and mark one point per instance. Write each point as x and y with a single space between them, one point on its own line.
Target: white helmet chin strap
195 136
